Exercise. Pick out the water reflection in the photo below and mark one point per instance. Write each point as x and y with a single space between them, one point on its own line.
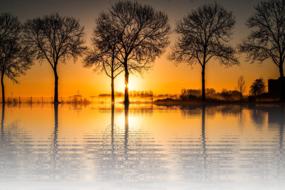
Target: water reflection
136 145
254 152
2 119
276 119
126 108
203 135
112 129
55 143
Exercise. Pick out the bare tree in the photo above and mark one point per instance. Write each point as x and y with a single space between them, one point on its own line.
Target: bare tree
54 39
267 38
14 57
142 33
241 86
105 51
204 35
257 87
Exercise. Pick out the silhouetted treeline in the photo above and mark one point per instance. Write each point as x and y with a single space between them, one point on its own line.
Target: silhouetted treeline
192 94
131 94
129 36
75 99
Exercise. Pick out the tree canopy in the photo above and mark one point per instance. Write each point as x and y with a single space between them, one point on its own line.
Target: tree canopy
204 34
54 39
14 57
142 34
267 38
104 53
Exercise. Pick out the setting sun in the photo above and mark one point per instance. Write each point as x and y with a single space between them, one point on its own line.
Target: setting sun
134 84
142 94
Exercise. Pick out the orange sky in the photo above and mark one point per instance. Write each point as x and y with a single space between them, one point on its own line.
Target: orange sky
164 77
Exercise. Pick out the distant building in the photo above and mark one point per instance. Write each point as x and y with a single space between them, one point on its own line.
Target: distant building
276 86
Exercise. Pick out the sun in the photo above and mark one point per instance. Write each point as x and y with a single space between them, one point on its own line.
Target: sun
134 84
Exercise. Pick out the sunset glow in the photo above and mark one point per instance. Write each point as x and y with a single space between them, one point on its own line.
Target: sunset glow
164 77
142 94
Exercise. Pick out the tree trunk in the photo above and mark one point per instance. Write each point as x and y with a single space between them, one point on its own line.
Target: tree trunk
55 86
126 101
281 71
203 83
282 82
3 88
112 91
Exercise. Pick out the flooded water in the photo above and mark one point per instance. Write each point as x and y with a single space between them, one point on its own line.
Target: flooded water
142 147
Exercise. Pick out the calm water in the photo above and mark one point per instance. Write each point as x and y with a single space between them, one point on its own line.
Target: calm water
143 147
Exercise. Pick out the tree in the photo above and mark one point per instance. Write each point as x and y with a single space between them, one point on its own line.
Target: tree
241 86
204 34
142 33
267 38
105 51
54 39
257 87
14 57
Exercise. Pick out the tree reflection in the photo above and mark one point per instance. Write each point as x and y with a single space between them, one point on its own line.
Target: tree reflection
55 132
3 119
113 129
203 135
126 139
276 115
55 141
257 115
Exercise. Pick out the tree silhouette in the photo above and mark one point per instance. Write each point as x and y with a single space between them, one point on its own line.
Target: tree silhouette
14 57
142 33
204 34
257 87
105 51
54 39
267 38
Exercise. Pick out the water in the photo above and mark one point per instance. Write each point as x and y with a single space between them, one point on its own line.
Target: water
143 147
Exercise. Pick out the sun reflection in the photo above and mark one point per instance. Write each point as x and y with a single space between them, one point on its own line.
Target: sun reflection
133 121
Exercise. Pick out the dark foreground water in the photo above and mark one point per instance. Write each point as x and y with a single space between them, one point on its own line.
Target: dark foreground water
143 147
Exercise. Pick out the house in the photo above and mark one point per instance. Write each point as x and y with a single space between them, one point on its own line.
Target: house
276 87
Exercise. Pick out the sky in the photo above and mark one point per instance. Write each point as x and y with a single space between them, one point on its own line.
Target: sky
164 77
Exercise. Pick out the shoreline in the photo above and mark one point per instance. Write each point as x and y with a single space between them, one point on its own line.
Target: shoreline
182 103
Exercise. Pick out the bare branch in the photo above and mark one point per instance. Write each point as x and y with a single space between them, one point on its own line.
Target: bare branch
142 31
203 35
54 38
267 38
14 57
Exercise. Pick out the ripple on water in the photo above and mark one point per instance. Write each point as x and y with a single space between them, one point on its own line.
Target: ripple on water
237 149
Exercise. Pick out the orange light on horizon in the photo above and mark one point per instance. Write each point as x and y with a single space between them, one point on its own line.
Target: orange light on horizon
133 85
